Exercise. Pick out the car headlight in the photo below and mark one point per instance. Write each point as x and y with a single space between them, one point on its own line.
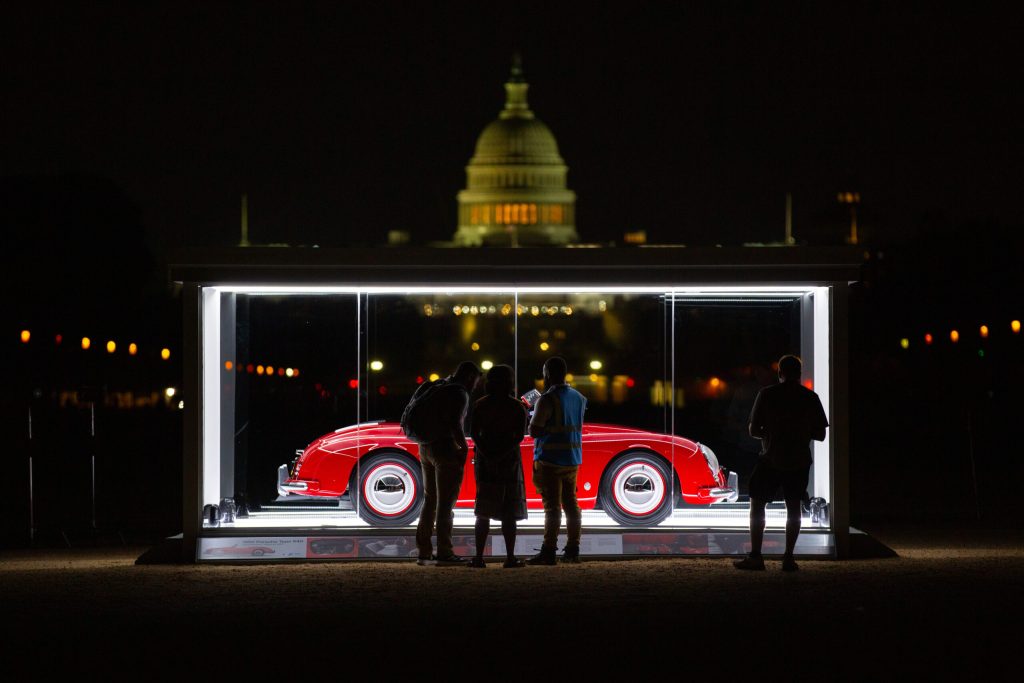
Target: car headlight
711 459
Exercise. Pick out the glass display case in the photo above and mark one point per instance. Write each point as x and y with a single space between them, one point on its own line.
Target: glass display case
299 387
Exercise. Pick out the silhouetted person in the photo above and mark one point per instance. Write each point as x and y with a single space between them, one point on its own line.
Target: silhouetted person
785 417
557 429
443 461
499 425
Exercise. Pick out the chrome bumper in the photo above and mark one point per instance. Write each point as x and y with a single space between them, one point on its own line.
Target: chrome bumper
285 489
729 493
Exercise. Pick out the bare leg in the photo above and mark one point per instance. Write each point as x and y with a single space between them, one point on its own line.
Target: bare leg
792 525
757 526
508 530
483 528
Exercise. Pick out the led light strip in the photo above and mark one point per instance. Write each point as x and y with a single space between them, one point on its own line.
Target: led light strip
273 290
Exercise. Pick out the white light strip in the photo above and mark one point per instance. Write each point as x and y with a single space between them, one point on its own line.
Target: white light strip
210 324
683 519
274 290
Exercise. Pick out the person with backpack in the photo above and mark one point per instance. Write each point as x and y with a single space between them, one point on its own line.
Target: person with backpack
499 425
434 418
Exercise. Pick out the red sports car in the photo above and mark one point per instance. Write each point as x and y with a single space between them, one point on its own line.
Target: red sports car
373 467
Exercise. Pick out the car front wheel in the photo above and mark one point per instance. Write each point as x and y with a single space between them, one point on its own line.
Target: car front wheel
390 490
635 489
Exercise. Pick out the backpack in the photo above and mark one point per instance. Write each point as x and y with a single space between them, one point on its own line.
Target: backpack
420 420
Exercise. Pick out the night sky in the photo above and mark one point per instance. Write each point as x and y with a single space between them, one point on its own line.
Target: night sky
689 120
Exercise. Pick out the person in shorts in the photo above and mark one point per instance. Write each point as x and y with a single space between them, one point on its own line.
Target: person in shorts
786 417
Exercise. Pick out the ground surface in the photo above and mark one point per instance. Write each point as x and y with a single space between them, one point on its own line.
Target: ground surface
952 604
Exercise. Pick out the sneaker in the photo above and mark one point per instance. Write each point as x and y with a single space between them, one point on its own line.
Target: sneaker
513 563
789 564
426 561
477 563
571 555
754 562
451 560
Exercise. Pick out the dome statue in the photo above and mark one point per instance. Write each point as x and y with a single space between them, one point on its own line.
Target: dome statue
515 183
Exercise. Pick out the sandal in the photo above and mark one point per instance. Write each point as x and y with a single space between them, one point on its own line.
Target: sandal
513 563
477 563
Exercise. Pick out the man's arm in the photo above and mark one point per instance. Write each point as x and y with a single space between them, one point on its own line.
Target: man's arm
756 426
461 406
820 421
542 413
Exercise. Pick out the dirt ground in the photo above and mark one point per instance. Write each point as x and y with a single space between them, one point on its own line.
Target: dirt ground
950 605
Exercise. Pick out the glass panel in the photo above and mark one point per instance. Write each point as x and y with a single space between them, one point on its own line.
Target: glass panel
280 368
615 347
726 348
407 341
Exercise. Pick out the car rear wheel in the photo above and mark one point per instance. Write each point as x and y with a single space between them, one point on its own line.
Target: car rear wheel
390 490
635 489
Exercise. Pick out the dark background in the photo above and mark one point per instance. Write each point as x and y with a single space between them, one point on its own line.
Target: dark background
130 131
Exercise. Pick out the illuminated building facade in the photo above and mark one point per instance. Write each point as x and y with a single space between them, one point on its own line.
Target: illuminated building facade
516 192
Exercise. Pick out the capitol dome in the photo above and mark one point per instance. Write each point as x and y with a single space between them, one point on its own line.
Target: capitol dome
516 192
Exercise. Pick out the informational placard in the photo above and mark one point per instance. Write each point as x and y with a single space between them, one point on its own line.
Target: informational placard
402 547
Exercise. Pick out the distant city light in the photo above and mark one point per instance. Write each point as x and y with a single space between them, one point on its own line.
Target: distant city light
981 353
170 392
602 306
544 346
295 372
434 377
86 343
133 349
715 382
376 365
419 379
228 365
270 370
111 347
181 405
382 390
353 384
535 310
593 377
954 336
928 338
486 365
280 372
630 382
250 368
474 346
506 309
596 365
59 338
165 353
25 336
259 370
457 310
983 331
905 343
569 377
289 372
1015 326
